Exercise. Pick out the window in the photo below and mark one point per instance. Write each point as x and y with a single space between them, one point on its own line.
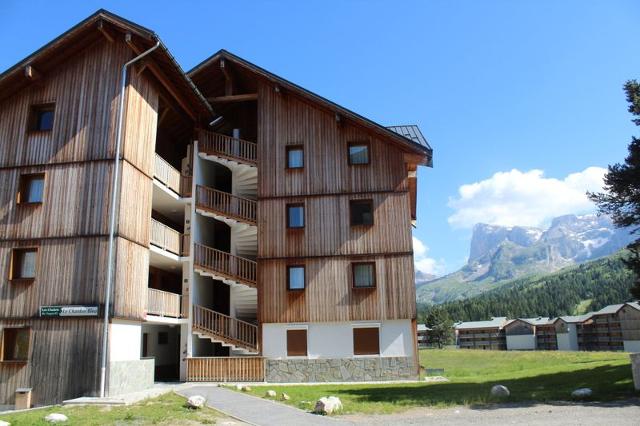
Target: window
295 157
41 117
23 264
15 344
358 153
366 341
295 277
297 342
163 338
361 212
364 275
295 215
31 189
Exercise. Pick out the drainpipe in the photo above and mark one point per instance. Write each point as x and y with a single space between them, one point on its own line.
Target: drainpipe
112 224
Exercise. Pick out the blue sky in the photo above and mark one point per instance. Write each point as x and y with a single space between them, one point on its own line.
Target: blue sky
522 101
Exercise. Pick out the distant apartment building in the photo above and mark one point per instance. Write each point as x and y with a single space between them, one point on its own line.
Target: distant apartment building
261 232
530 334
482 334
612 328
422 333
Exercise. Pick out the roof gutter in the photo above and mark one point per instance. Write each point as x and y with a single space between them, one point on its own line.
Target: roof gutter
112 224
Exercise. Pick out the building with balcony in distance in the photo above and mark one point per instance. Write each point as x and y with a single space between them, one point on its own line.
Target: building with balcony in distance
482 334
261 232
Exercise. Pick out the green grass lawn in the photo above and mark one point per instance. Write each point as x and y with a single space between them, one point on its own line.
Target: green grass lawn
166 410
530 376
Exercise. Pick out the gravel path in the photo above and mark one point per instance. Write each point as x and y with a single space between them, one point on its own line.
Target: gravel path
561 414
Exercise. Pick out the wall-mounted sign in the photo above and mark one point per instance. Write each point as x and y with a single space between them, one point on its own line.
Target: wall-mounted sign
68 311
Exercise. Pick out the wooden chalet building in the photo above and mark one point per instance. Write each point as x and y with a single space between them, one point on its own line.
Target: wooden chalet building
487 335
261 231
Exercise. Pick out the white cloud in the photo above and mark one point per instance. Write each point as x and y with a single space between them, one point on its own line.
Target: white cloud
524 198
423 263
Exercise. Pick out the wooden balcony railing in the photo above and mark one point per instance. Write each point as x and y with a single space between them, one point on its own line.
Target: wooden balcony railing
226 204
164 304
186 244
223 327
225 369
225 264
227 146
171 177
165 237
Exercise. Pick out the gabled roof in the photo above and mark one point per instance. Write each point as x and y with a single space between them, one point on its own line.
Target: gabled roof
412 132
408 142
494 322
539 320
87 32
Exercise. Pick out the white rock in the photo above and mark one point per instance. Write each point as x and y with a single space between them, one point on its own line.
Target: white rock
56 418
500 391
196 401
328 405
270 394
246 389
435 379
3 423
285 397
581 393
239 387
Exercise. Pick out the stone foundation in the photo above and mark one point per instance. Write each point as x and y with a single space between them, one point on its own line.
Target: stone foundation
635 369
130 376
340 370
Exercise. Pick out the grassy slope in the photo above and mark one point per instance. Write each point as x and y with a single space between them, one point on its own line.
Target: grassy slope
531 376
167 409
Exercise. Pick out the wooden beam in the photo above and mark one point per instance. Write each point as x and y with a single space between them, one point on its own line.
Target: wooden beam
158 74
235 98
142 66
105 32
163 115
228 80
31 73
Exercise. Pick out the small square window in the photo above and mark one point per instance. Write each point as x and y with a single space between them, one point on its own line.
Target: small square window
297 342
295 157
31 189
41 117
295 277
361 212
358 153
366 341
364 275
295 215
23 264
15 344
163 338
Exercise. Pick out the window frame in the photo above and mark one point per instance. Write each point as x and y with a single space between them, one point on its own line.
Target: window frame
353 275
364 327
289 148
13 265
362 143
2 345
23 181
288 217
35 112
306 342
358 200
304 278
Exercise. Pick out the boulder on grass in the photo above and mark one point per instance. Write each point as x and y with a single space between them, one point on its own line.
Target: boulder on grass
328 405
285 397
246 389
196 401
56 418
239 387
3 423
270 394
581 393
500 391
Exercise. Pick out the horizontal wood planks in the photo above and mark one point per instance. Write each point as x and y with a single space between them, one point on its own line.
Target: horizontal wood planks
63 361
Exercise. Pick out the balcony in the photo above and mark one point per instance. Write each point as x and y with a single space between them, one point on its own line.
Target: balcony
168 239
226 149
169 176
223 206
165 304
224 266
224 329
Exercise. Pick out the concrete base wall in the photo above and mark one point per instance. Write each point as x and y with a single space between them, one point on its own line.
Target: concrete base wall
130 376
635 368
340 370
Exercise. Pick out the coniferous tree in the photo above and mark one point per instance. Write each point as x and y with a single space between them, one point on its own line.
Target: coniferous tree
621 199
440 325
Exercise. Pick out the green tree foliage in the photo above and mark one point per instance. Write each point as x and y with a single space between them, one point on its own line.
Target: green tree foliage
441 326
621 199
604 282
